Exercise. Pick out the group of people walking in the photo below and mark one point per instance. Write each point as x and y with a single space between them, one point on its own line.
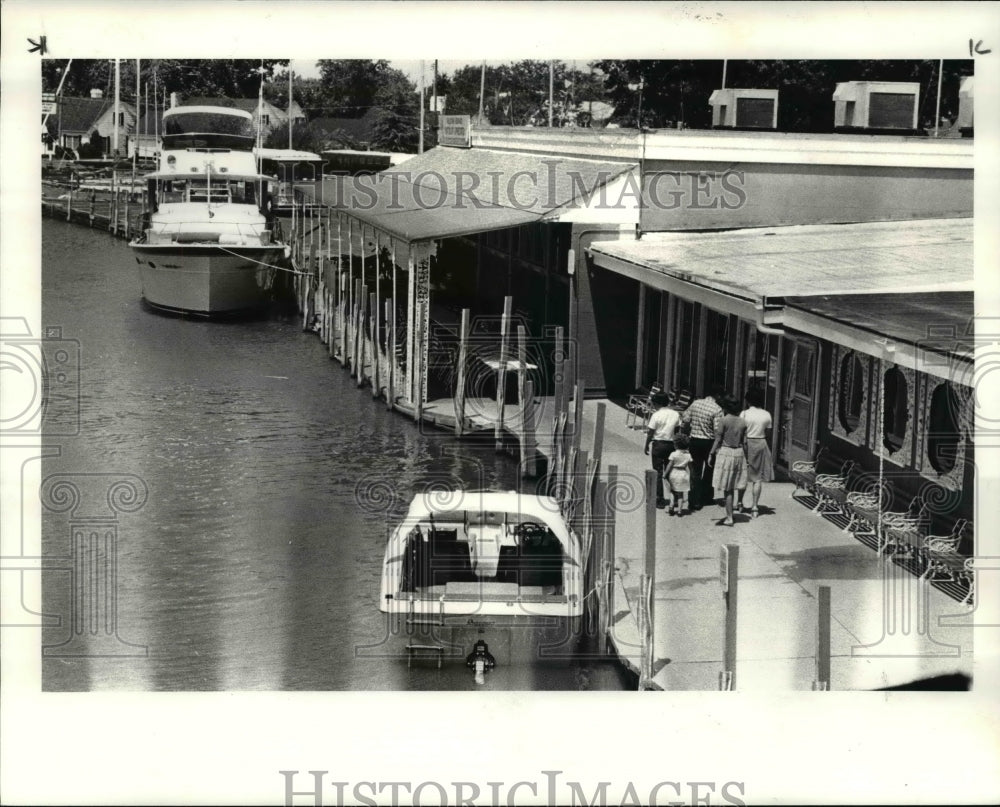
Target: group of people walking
715 445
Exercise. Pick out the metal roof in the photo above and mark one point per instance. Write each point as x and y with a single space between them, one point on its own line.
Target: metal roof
769 262
449 192
940 322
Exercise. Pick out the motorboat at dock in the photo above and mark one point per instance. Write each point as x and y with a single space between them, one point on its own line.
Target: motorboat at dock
483 577
211 242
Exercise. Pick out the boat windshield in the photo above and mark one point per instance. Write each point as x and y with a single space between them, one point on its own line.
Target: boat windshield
217 192
182 130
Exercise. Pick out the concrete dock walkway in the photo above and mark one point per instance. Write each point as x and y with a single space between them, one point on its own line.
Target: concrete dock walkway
888 628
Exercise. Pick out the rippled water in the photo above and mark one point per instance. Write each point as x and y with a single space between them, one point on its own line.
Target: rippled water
272 479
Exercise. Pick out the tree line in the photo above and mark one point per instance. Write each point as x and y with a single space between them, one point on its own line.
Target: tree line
647 93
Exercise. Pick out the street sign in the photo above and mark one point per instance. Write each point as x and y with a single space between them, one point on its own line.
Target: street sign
455 131
48 103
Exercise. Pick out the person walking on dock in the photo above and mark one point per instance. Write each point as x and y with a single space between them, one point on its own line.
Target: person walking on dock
759 465
678 474
728 457
703 416
660 438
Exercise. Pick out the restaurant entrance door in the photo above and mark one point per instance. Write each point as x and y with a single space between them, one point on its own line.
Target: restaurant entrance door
798 427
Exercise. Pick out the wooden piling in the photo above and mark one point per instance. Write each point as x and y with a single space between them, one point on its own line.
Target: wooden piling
373 319
390 329
646 619
463 349
529 445
729 576
823 641
359 332
608 556
502 374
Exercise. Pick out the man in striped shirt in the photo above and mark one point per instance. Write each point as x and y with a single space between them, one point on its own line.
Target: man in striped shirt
703 416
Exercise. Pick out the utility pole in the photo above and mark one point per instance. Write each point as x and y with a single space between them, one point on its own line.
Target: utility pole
482 90
420 148
723 74
289 106
436 109
937 109
552 69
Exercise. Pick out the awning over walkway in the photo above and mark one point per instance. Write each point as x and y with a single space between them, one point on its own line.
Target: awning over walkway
451 192
847 283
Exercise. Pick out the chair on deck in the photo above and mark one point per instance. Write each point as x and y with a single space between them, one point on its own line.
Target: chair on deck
640 406
803 473
831 489
902 530
941 557
681 399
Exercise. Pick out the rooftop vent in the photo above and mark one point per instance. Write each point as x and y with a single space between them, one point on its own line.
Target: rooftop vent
744 109
884 106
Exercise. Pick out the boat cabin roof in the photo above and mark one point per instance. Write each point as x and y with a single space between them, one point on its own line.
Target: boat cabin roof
287 155
489 507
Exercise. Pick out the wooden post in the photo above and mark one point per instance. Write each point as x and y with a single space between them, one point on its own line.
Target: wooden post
598 444
608 556
822 681
390 327
646 622
558 369
342 308
128 199
463 348
418 370
393 379
377 316
359 331
69 206
522 353
112 209
529 450
373 319
93 203
729 577
502 374
354 327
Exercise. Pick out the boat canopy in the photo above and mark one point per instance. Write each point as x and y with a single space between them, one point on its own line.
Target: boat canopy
476 504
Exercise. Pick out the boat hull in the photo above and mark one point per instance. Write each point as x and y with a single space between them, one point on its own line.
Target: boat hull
205 279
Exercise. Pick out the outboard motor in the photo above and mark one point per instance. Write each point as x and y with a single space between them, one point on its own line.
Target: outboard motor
480 661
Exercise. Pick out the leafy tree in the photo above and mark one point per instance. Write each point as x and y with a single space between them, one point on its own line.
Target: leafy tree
679 90
308 93
393 132
232 78
305 137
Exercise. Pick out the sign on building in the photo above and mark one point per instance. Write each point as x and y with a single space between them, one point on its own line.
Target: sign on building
48 103
456 131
